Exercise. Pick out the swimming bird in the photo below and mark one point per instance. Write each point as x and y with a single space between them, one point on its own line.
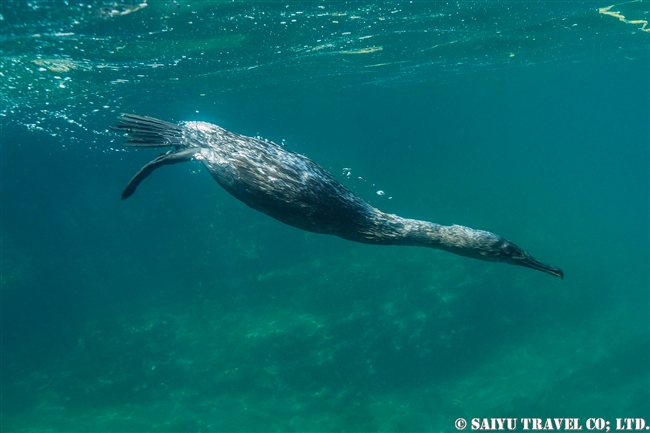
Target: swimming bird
296 191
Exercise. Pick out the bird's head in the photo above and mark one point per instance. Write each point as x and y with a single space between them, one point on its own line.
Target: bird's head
491 247
503 250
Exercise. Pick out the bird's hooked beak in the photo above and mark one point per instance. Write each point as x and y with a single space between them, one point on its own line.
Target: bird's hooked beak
533 263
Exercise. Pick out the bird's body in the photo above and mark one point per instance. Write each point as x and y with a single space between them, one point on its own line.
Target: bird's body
294 190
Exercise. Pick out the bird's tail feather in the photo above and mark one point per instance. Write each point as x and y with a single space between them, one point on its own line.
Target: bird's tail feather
143 131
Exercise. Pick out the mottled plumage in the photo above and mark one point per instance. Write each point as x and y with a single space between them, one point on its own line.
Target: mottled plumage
293 189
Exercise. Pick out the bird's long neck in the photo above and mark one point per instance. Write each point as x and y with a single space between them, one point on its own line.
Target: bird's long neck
389 229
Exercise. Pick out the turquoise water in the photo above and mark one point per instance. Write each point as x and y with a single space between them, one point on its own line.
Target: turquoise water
181 309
